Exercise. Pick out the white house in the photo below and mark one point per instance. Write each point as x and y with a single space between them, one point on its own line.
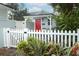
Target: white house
34 20
40 21
4 20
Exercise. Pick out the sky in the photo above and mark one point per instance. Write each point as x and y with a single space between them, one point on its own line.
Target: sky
35 7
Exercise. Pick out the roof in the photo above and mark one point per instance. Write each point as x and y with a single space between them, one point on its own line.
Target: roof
6 5
38 13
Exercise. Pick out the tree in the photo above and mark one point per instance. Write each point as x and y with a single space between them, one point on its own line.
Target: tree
19 12
68 18
67 22
18 15
13 5
63 7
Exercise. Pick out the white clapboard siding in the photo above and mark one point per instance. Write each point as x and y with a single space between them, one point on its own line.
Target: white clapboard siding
13 36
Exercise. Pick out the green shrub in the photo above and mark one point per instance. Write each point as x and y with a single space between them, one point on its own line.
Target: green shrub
65 51
38 46
32 47
74 51
53 49
22 44
35 47
21 47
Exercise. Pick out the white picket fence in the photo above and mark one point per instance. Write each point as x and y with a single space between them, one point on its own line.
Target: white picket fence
63 38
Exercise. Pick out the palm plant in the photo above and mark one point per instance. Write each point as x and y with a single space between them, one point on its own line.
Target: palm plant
68 21
34 47
38 46
21 47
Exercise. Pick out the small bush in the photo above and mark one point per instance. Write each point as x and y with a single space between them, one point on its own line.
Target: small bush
32 47
65 51
35 47
22 44
53 49
21 47
75 49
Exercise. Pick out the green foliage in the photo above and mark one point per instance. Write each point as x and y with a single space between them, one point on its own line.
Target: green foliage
68 15
68 21
13 5
37 46
62 7
21 47
18 15
53 49
34 47
65 51
19 11
22 44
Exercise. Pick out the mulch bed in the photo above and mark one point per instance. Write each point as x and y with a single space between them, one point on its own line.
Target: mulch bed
7 51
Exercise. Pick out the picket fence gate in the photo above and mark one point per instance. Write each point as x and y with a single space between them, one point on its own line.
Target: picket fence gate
64 38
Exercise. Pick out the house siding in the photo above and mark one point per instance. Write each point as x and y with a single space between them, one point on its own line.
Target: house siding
44 24
20 24
3 14
30 25
5 24
1 38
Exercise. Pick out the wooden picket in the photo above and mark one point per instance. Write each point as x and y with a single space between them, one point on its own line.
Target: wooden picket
64 38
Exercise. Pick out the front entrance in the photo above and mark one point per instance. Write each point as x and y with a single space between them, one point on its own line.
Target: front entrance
37 24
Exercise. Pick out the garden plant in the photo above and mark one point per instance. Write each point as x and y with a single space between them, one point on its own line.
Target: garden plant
35 47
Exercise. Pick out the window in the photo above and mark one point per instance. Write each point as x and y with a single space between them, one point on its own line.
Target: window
48 22
44 18
43 23
43 28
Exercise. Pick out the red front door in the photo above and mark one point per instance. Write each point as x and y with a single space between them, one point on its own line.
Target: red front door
37 24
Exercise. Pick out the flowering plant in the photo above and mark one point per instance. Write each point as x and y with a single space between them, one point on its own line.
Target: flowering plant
75 49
